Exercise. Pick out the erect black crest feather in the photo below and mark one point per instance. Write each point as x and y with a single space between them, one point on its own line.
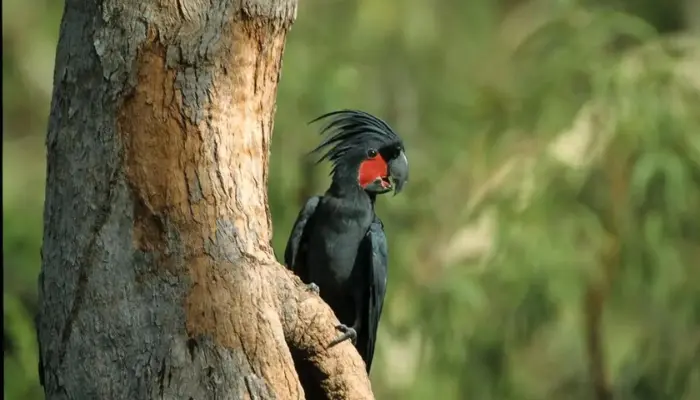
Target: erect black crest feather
350 129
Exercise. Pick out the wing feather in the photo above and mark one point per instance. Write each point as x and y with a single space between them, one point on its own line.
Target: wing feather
377 277
295 252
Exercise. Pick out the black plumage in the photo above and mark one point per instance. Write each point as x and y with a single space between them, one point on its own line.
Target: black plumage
338 242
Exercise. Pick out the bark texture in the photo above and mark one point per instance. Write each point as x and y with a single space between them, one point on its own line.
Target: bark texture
158 277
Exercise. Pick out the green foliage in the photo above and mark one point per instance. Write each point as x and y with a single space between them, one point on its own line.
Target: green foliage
554 194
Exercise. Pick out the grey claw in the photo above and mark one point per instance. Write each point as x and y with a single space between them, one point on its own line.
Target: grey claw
348 333
313 288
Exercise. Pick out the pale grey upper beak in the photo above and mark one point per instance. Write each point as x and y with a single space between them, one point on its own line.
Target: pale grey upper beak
398 170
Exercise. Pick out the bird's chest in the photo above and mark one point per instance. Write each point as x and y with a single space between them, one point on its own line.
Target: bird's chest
337 245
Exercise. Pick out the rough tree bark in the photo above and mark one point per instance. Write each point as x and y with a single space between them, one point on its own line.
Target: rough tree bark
158 278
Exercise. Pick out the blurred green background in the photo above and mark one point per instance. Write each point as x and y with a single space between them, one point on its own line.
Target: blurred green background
548 244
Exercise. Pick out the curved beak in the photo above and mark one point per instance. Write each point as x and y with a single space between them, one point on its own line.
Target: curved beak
398 171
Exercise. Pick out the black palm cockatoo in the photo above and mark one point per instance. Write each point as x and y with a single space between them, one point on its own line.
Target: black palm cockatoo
337 244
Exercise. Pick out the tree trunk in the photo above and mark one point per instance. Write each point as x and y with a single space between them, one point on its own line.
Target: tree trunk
158 277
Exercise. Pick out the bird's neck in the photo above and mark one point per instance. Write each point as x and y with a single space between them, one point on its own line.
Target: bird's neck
346 189
351 193
372 198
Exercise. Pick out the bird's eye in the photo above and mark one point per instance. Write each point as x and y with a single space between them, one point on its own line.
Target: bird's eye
371 153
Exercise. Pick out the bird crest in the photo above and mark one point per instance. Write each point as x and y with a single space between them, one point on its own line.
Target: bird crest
349 130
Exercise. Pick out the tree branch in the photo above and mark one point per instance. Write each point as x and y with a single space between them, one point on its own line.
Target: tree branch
309 325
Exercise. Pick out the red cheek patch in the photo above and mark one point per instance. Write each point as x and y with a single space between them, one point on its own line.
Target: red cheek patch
372 169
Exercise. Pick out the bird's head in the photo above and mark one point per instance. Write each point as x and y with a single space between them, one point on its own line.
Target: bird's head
363 150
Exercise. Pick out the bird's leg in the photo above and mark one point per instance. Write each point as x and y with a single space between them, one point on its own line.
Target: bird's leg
313 288
348 332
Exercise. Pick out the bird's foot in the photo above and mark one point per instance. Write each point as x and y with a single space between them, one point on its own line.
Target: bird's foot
313 288
348 333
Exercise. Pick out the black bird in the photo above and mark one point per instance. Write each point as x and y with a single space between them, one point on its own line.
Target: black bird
337 245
